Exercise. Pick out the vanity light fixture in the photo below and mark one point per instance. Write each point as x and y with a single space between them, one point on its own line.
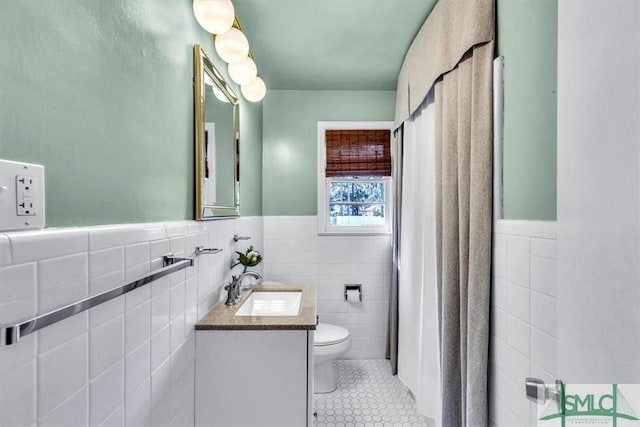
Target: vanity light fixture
243 72
215 16
232 45
255 90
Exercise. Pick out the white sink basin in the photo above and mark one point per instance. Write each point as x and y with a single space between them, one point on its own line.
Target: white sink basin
276 303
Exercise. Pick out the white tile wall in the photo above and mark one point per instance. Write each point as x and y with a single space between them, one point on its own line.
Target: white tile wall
294 253
126 362
523 333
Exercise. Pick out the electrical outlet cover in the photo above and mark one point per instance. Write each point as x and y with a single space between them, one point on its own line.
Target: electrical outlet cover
21 196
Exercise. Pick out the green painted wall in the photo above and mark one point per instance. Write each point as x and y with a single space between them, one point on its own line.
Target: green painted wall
100 92
290 118
527 38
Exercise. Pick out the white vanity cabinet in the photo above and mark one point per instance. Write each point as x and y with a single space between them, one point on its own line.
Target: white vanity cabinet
256 371
254 378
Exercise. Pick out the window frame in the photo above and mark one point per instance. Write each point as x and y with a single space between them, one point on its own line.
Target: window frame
324 226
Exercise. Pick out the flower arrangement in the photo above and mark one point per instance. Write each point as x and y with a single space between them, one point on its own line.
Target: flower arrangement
250 258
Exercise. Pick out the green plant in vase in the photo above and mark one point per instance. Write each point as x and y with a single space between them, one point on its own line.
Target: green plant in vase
250 258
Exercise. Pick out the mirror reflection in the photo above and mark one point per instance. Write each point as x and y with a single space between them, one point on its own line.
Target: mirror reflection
217 141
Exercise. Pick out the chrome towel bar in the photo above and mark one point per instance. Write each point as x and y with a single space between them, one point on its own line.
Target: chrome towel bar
11 334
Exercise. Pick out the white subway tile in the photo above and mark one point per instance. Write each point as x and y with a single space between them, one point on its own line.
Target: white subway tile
518 301
544 275
149 232
106 393
106 345
499 352
160 383
177 332
110 236
137 326
138 405
18 395
178 244
106 261
137 367
14 356
499 319
106 311
517 365
61 372
499 293
105 283
177 300
543 350
137 297
518 268
518 402
116 418
546 248
500 263
543 313
538 372
5 251
191 318
137 271
518 335
160 286
18 310
136 254
176 228
161 414
58 297
42 244
160 347
73 412
540 229
160 312
514 420
518 244
57 272
191 292
17 282
159 248
59 333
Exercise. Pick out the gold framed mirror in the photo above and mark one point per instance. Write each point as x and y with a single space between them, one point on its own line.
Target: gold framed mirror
217 142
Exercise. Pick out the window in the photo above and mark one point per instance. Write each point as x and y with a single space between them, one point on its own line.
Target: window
354 177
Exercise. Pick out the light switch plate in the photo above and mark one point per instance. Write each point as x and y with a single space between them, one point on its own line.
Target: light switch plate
21 196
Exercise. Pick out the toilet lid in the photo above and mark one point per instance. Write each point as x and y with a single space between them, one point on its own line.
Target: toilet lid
327 334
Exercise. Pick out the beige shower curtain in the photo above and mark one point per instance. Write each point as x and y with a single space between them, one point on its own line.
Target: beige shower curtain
463 233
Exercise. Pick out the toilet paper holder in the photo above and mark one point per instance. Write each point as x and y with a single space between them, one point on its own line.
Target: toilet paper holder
352 287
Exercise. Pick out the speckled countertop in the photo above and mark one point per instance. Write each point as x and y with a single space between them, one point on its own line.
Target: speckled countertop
221 317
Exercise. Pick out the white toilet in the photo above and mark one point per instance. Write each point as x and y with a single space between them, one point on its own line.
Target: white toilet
330 342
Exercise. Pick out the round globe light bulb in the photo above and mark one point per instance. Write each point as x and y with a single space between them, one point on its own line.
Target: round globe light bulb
243 72
254 91
215 16
232 46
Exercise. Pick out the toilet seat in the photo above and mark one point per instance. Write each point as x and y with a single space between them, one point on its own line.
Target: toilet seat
327 334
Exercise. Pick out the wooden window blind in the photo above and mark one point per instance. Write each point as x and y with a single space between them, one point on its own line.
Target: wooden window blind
358 152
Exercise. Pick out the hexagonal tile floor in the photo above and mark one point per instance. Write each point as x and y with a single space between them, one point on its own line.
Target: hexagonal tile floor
367 396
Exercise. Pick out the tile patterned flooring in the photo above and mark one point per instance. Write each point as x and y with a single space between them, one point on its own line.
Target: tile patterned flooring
367 396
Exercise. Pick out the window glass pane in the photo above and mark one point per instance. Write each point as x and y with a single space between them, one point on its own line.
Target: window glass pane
354 215
339 191
356 191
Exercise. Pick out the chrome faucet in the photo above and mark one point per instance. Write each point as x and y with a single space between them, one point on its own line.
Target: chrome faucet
233 289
